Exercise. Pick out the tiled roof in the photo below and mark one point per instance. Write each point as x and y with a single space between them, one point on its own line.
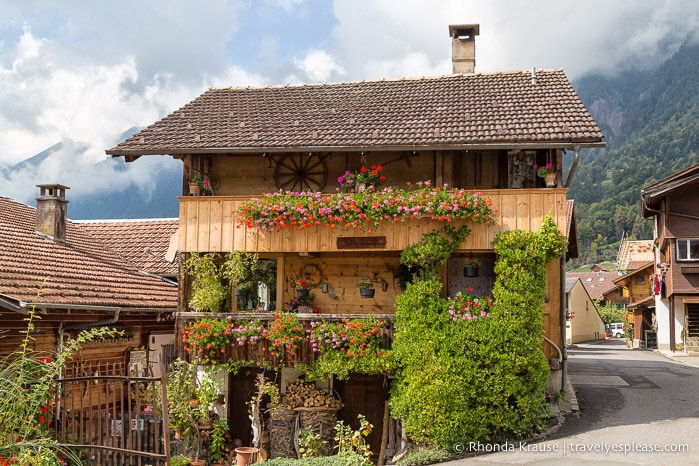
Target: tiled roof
679 182
147 245
596 283
448 111
570 283
82 272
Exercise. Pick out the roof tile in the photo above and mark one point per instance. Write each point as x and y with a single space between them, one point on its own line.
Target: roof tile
81 272
455 110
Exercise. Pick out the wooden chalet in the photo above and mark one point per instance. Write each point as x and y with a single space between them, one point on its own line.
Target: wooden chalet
467 130
60 272
672 204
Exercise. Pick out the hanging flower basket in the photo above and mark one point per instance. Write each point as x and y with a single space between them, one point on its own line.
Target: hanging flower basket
302 292
470 271
367 292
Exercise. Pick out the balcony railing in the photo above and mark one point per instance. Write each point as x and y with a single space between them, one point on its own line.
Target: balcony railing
260 352
208 223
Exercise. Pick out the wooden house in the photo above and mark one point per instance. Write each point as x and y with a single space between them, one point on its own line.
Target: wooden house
672 205
478 132
636 288
583 322
61 274
73 281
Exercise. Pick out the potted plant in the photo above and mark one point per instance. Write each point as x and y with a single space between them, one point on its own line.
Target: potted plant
471 266
199 186
303 287
195 185
363 179
546 172
366 286
188 404
217 438
240 269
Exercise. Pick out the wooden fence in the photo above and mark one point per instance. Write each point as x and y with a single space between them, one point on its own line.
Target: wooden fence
110 418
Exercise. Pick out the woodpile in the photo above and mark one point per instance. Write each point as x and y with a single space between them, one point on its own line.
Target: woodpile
282 433
305 395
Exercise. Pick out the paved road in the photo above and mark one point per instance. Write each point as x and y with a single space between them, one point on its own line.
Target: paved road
636 407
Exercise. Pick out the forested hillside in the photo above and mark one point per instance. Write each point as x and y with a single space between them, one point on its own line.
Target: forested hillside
651 124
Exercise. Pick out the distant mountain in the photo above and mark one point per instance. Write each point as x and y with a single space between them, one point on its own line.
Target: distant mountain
110 189
651 124
158 202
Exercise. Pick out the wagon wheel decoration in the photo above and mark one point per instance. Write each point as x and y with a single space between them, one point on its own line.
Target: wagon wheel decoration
301 173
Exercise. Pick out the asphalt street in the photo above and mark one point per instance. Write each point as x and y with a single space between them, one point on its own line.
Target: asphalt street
636 407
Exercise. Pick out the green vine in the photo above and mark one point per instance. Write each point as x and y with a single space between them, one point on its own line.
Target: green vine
482 379
208 290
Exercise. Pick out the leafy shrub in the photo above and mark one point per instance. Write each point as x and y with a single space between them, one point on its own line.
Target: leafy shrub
476 380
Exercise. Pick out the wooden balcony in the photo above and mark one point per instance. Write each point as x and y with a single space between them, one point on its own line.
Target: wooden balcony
258 353
207 223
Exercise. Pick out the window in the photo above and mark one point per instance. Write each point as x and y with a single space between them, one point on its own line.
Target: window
687 249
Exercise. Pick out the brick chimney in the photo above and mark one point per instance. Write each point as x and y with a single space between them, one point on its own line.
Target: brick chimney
52 212
463 47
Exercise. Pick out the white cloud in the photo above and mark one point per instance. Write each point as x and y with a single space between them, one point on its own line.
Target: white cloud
319 66
88 71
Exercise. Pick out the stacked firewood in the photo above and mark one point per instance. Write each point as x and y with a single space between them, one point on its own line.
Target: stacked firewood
301 394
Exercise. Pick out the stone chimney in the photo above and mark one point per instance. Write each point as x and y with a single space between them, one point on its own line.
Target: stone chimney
463 47
52 212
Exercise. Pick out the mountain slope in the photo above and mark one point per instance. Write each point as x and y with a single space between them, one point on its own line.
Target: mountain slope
652 125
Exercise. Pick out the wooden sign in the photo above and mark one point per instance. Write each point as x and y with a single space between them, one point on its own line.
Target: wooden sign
361 242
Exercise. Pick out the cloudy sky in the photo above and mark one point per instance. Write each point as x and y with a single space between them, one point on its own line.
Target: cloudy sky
81 72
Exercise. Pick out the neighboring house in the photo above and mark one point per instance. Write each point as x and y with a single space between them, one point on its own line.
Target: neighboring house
672 203
480 132
600 286
74 281
634 254
583 322
636 288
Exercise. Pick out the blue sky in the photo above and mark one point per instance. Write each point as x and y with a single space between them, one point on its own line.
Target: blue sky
82 72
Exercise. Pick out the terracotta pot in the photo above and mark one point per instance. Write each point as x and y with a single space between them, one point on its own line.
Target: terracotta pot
246 455
367 292
550 180
197 463
178 434
193 189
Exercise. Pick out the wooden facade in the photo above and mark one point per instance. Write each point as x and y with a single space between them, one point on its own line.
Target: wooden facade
672 204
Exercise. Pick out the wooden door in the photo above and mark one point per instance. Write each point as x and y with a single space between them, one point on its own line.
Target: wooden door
367 395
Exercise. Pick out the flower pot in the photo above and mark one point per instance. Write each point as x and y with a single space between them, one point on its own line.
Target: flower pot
246 455
470 271
302 293
193 189
550 180
178 434
241 293
197 463
367 292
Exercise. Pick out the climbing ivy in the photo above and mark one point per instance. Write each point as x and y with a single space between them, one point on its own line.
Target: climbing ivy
480 380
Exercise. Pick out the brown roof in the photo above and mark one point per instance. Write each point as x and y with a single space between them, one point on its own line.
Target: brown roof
680 182
455 111
147 245
596 283
34 269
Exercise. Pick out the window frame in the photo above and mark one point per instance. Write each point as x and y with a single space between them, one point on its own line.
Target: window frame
685 246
